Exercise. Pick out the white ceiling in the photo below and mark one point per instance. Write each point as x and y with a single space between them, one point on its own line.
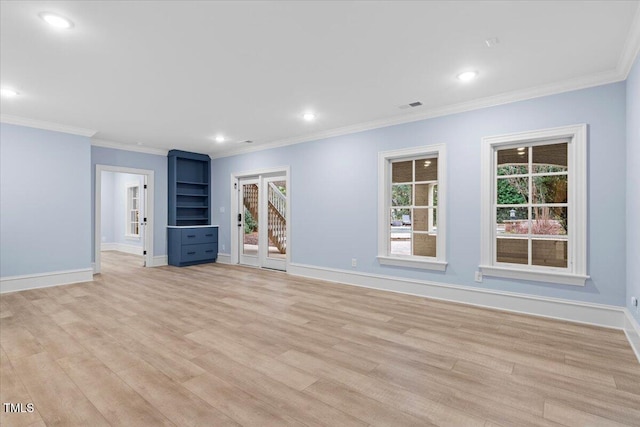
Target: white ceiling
173 74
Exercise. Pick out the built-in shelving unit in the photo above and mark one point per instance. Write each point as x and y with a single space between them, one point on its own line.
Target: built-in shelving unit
192 238
189 188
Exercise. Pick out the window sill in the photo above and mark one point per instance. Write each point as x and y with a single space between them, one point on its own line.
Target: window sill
538 276
424 264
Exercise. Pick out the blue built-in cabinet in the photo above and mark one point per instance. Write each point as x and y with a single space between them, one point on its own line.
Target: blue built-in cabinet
192 238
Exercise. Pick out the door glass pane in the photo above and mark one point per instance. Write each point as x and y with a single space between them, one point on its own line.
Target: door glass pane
277 217
513 161
549 253
401 195
514 251
423 191
251 215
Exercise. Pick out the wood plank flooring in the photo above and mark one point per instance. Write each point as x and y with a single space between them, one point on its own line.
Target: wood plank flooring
216 345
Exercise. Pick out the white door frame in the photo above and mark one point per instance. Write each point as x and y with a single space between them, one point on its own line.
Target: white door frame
235 191
148 204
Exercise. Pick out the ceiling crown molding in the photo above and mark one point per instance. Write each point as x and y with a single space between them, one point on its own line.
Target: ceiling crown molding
631 47
582 82
96 142
41 124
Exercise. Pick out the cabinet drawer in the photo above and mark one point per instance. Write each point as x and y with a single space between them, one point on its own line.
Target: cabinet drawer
193 236
198 252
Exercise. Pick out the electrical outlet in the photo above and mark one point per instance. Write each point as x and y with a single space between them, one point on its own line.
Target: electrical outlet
478 276
222 209
354 262
634 303
223 246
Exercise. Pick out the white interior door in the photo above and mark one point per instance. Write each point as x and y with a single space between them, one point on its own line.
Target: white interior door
274 215
262 221
249 208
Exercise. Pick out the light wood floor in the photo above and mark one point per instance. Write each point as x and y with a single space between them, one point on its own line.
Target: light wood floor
215 345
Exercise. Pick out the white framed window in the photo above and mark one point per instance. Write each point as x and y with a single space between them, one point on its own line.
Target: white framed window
132 220
412 207
534 205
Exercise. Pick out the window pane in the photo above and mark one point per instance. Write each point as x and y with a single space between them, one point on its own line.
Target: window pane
400 236
422 194
401 195
421 219
400 217
513 161
549 221
427 169
550 189
514 251
424 244
402 171
550 158
512 220
513 191
549 253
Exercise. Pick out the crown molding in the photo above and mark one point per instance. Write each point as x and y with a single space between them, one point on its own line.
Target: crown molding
578 83
41 124
631 47
96 142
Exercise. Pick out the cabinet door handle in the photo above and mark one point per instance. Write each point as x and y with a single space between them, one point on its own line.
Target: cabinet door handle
191 253
209 235
209 251
190 236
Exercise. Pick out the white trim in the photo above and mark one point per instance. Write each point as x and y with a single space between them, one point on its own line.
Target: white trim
45 280
223 258
439 262
121 247
411 262
148 204
538 276
576 272
41 124
632 331
128 147
159 261
631 48
582 82
581 312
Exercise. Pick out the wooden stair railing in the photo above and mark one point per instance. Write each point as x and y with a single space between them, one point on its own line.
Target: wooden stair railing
276 213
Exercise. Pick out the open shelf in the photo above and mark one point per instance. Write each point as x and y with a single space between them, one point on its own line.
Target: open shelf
189 188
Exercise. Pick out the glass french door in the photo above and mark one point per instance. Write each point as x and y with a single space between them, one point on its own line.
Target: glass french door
262 221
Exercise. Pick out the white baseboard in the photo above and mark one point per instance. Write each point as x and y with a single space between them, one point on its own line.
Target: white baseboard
632 331
159 261
224 258
593 314
44 280
121 247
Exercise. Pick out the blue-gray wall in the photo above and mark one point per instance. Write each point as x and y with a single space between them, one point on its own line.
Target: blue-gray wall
45 196
130 159
107 208
633 186
334 190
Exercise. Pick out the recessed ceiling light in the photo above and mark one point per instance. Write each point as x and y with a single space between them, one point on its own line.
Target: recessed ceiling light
309 117
467 76
219 138
56 20
8 93
521 148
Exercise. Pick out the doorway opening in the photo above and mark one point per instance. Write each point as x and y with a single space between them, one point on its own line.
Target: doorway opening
123 214
262 219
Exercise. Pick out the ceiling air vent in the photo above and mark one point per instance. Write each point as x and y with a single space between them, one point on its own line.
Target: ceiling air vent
248 141
410 105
